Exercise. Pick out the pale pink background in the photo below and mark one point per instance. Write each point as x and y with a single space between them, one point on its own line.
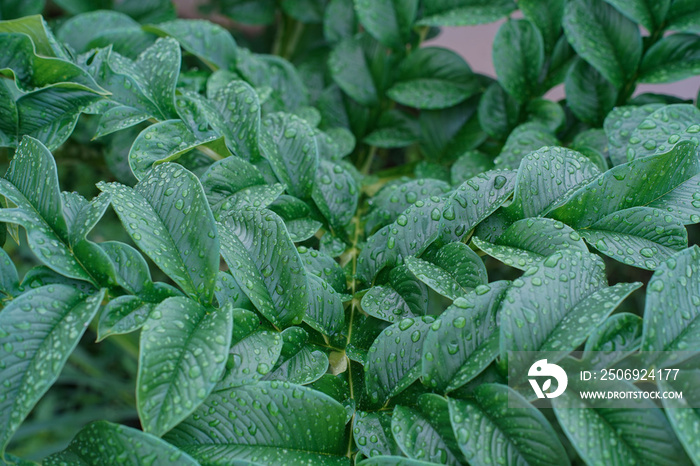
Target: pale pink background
474 44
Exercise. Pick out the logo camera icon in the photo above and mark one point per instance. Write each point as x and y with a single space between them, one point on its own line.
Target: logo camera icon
542 368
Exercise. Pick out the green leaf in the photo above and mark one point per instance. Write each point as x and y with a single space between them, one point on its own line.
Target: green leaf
263 260
288 144
518 56
448 133
683 16
183 347
351 69
40 209
589 95
288 90
603 37
339 20
160 65
393 199
403 296
394 129
297 217
524 139
547 113
499 425
673 58
648 13
38 332
433 78
554 307
324 267
464 12
413 231
639 236
9 282
38 31
103 442
303 367
468 165
613 340
548 177
372 434
547 16
388 21
232 183
672 309
31 71
101 28
682 416
498 112
425 433
251 358
464 339
593 143
241 423
664 181
164 142
234 112
620 123
173 225
531 240
453 272
325 312
663 129
476 199
603 432
207 41
394 359
335 193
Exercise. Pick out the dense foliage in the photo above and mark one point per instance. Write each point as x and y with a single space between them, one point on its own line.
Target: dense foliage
324 254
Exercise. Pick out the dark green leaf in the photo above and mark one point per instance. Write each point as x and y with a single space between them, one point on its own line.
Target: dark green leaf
664 128
351 70
433 78
554 307
287 142
518 56
665 181
468 165
604 38
683 16
524 139
648 13
589 95
425 433
464 340
173 225
403 296
388 21
394 359
620 123
208 41
38 332
547 16
183 348
453 272
241 423
372 434
262 258
603 432
530 240
672 307
498 425
498 112
102 443
335 193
